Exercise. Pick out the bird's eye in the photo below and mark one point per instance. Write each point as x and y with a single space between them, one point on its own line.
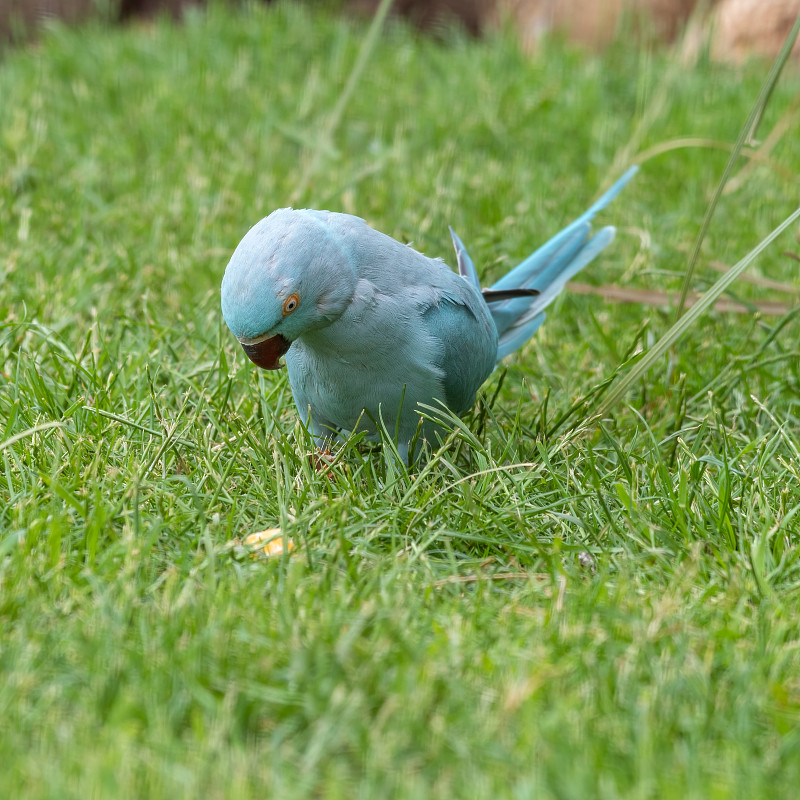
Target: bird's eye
290 303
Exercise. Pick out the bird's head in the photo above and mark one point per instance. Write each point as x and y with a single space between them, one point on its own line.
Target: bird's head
290 274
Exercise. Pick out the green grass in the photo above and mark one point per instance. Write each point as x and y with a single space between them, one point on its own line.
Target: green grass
434 635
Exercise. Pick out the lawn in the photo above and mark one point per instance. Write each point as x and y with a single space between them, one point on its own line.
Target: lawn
549 606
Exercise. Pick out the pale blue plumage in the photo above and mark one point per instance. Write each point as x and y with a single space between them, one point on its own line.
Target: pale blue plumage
374 328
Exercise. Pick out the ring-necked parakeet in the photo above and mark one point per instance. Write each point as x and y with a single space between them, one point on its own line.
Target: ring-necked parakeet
369 327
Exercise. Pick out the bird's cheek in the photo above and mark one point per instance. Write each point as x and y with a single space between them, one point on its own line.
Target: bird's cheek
267 354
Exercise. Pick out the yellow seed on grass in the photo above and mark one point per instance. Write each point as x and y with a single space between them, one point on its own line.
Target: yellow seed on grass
269 542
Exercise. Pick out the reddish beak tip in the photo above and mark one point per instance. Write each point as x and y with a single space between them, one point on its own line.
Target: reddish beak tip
267 354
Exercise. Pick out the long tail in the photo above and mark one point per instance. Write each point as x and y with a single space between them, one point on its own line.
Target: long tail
518 300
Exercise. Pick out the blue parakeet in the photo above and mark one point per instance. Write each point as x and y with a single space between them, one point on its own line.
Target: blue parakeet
370 328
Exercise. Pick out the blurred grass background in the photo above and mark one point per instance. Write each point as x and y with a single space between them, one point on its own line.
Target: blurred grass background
433 634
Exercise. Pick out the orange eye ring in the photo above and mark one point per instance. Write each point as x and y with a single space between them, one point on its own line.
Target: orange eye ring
290 304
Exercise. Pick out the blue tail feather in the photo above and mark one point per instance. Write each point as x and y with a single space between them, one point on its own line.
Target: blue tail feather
546 272
466 267
518 335
548 269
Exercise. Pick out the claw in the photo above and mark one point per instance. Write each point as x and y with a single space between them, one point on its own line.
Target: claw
321 461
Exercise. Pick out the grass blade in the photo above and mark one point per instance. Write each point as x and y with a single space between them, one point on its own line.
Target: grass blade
336 115
29 432
683 324
745 134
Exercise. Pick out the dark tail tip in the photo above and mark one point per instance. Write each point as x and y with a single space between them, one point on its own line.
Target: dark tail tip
497 296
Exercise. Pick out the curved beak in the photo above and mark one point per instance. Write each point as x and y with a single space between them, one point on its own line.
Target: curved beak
266 353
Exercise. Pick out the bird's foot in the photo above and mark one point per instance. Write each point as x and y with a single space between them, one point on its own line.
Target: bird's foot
321 461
